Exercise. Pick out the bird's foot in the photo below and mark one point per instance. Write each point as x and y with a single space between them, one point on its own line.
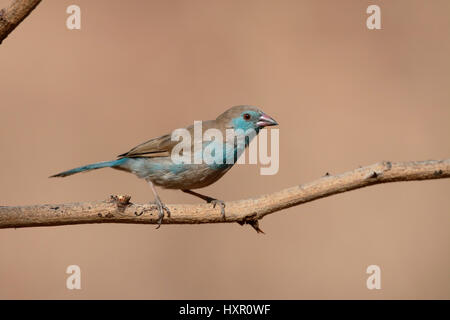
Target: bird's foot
161 208
216 202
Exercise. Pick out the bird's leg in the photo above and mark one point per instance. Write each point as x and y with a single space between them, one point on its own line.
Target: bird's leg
161 206
209 200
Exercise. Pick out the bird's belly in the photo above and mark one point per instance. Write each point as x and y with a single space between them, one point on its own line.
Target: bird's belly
198 176
164 173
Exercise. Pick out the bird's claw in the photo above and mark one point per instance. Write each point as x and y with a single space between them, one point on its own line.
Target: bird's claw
161 208
221 203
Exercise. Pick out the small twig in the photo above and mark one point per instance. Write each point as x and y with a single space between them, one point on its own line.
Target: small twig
12 16
119 209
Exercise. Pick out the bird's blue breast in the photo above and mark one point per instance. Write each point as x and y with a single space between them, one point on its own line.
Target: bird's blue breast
231 151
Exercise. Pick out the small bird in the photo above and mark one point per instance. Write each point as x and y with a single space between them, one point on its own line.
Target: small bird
152 159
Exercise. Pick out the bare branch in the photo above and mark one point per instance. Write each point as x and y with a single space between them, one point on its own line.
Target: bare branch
12 16
119 209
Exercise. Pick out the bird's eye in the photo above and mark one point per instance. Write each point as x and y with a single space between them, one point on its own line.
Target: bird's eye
246 116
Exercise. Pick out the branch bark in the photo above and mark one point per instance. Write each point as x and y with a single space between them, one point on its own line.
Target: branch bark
119 209
12 16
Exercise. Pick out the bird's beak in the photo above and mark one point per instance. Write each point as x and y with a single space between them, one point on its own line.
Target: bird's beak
265 121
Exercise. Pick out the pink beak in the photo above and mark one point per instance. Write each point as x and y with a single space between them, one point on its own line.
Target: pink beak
265 121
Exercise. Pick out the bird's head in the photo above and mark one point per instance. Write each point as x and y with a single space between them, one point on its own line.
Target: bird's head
246 118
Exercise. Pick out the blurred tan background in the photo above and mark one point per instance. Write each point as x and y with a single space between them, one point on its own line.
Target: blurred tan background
344 96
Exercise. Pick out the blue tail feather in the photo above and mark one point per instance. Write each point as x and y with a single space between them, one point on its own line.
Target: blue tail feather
98 165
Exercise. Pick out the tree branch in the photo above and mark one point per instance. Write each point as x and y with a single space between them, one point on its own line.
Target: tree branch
119 209
12 16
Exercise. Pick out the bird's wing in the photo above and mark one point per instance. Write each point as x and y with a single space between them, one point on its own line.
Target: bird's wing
163 145
156 147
